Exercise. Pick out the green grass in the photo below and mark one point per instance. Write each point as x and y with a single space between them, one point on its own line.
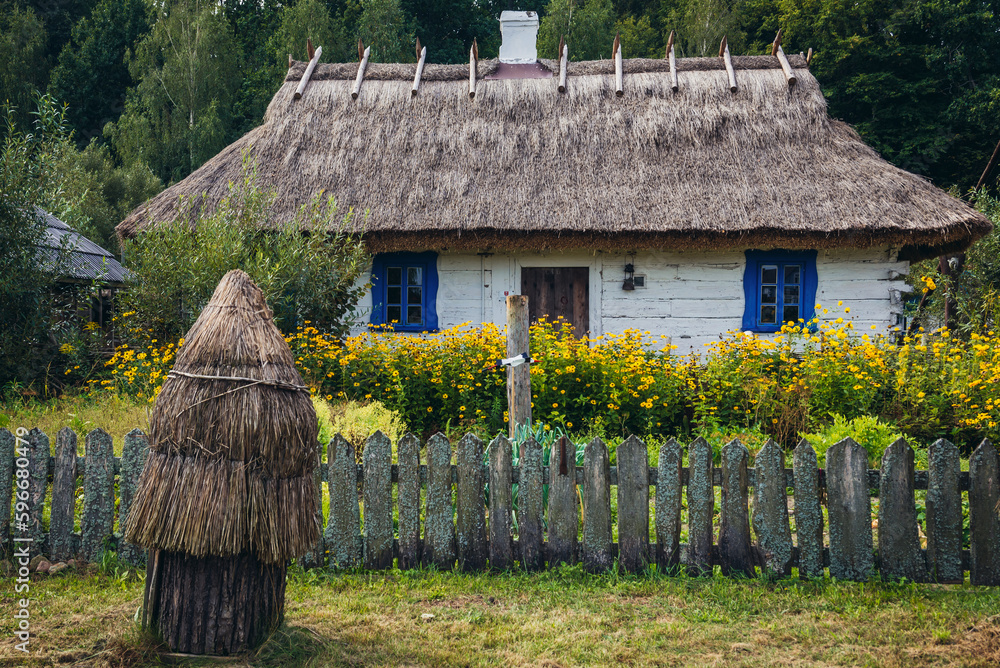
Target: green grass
559 618
114 414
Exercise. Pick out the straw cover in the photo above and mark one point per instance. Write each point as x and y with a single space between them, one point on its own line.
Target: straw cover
233 441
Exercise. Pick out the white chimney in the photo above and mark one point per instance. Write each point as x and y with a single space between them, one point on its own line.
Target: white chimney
519 32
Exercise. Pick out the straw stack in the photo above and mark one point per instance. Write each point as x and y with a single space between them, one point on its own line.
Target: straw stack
227 495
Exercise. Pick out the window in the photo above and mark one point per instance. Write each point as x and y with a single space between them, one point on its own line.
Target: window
780 287
404 291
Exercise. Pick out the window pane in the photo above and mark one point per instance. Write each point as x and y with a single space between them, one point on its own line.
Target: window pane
769 294
394 275
768 315
414 295
394 295
790 313
413 315
793 274
791 294
414 276
769 275
393 314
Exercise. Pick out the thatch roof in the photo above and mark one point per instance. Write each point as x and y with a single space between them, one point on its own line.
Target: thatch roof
233 440
524 166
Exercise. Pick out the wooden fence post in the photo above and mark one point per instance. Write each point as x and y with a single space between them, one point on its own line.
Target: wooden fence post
530 506
850 511
597 539
984 524
808 511
98 494
701 508
63 497
668 506
564 513
519 377
408 493
735 550
944 513
6 487
471 511
344 524
898 543
770 510
633 506
377 492
38 474
501 504
439 519
134 453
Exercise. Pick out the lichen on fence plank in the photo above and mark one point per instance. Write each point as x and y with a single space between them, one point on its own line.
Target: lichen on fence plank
471 511
701 508
984 521
343 527
633 505
377 490
7 441
898 542
134 453
850 512
501 504
529 505
98 494
439 522
944 513
408 494
63 496
38 469
770 511
668 506
808 511
735 550
597 538
564 513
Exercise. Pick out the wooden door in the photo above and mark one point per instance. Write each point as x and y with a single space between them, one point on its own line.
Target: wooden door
558 292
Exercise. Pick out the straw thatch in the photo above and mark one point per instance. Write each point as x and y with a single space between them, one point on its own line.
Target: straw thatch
233 440
522 166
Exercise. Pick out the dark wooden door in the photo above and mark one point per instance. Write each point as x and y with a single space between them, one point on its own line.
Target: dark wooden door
558 292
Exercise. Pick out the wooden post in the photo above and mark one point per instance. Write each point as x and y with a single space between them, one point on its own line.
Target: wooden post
701 508
668 506
501 503
408 492
633 506
849 510
563 65
944 513
777 52
724 54
770 511
518 378
439 515
377 490
735 550
673 62
6 479
134 454
344 524
470 510
530 502
597 554
421 59
473 68
38 478
619 77
564 512
63 497
308 73
362 66
984 524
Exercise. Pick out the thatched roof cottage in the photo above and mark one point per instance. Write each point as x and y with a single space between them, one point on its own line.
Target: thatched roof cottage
733 201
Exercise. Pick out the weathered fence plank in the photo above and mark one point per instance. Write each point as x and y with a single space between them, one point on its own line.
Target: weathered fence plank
377 492
408 495
668 506
7 458
529 505
98 494
134 453
633 505
471 517
701 508
597 538
439 522
849 510
770 510
316 555
984 520
943 513
735 550
808 511
898 542
564 512
343 528
63 497
38 468
501 504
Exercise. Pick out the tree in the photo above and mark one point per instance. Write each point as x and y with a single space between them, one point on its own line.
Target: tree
179 114
384 27
447 27
701 25
588 27
311 19
639 38
22 55
310 269
92 76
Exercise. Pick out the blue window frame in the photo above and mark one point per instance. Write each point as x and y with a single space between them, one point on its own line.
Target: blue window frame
404 291
780 287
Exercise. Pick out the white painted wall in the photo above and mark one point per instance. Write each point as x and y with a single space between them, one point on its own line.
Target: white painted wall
693 297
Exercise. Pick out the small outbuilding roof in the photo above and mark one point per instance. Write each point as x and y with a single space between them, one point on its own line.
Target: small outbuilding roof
522 165
73 256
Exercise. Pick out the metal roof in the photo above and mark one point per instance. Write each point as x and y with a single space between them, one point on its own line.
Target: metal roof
73 256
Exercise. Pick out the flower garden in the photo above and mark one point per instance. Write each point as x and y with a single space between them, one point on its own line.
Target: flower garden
926 386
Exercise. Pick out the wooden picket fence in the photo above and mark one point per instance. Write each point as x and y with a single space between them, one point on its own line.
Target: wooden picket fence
466 514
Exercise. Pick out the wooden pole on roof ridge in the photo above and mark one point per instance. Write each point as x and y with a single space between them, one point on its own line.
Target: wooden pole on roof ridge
289 61
563 65
673 62
786 67
619 76
310 51
809 56
518 377
473 68
724 54
362 66
422 57
308 73
361 50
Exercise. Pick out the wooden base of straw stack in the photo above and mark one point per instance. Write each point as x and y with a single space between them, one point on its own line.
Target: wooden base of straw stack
216 605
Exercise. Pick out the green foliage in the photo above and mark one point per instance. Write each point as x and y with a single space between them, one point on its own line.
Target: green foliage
310 19
701 25
358 421
92 76
179 114
22 50
639 38
309 270
383 26
587 25
866 430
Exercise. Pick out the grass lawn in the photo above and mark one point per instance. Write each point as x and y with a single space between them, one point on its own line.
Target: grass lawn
559 618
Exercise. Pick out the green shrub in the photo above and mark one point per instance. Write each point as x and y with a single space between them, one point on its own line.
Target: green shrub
868 431
358 421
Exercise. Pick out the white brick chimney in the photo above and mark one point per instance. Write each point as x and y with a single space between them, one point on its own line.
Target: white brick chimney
519 32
